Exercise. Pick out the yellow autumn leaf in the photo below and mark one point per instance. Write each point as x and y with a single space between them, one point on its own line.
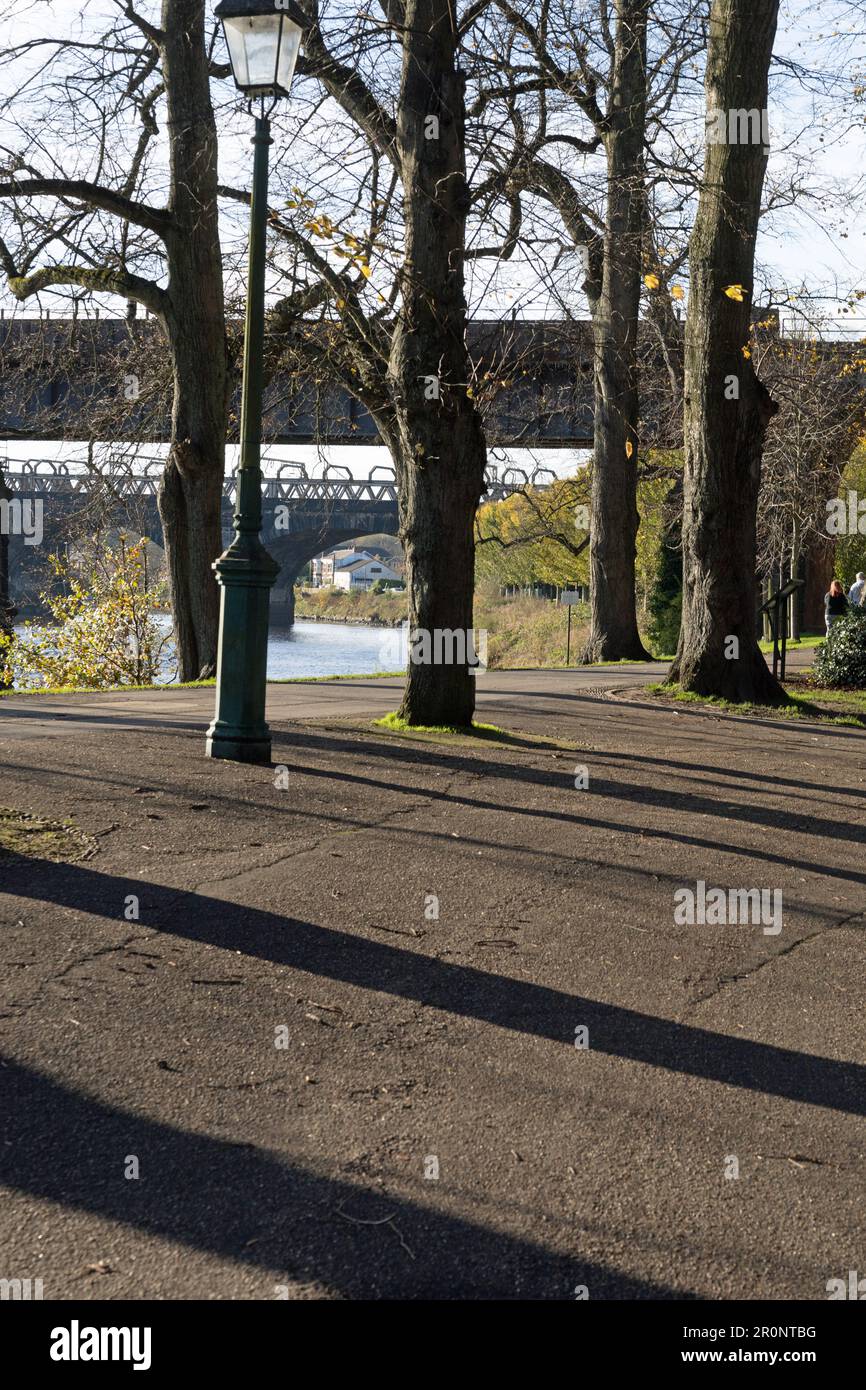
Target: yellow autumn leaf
734 292
747 351
678 292
652 282
629 448
365 269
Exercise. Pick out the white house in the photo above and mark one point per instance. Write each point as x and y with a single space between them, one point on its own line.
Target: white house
324 566
363 573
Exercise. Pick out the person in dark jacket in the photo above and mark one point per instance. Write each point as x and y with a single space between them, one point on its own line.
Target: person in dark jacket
835 604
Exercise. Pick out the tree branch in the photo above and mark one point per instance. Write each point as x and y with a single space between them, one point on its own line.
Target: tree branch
119 282
105 199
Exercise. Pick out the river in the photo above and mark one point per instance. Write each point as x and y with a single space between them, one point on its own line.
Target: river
333 649
323 649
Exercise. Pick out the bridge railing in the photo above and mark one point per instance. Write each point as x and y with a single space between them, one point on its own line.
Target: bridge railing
47 476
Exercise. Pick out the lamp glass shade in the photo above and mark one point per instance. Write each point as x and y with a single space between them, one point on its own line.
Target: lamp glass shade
263 50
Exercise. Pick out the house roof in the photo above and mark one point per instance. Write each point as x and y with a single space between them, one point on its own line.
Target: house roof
370 560
351 558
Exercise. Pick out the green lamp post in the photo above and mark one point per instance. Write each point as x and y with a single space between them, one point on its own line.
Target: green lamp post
263 48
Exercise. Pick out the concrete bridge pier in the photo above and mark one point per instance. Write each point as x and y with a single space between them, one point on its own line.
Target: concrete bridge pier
283 603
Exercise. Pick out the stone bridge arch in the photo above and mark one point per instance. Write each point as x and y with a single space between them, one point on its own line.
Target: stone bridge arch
293 552
296 532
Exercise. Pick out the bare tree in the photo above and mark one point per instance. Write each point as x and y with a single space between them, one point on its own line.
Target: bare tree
819 387
126 225
613 631
570 124
393 314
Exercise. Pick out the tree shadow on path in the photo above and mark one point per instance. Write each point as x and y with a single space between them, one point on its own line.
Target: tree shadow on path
249 1205
512 1004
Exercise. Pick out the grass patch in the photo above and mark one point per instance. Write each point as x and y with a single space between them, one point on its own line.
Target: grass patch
808 642
798 706
395 725
855 699
527 633
29 837
489 733
622 661
190 685
104 689
851 701
317 680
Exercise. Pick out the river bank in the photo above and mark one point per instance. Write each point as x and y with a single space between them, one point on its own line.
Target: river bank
520 631
360 634
350 606
347 622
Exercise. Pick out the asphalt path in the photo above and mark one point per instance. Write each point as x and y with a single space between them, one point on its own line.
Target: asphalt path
403 1017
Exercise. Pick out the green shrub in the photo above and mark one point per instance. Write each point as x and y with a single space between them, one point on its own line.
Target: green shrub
666 603
666 596
102 631
841 660
664 627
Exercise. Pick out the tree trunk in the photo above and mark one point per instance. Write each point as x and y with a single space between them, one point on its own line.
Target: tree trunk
190 495
613 627
727 408
190 501
438 442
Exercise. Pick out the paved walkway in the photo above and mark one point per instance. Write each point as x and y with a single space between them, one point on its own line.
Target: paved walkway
504 693
429 1127
363 698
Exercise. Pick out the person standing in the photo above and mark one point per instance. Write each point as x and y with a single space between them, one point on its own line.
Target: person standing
855 593
835 605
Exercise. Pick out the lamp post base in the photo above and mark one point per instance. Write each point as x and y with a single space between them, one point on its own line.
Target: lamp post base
224 742
245 574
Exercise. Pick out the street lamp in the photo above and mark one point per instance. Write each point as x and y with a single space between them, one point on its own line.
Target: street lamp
263 48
